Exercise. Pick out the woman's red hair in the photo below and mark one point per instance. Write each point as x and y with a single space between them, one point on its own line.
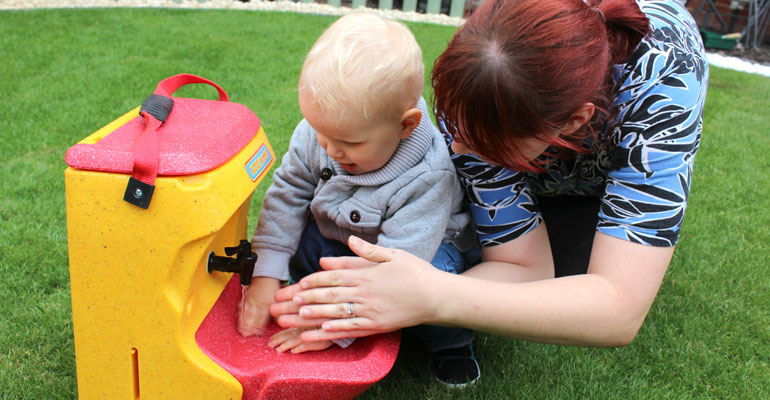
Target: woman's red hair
519 69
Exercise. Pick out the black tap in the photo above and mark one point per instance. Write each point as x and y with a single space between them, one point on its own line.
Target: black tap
243 263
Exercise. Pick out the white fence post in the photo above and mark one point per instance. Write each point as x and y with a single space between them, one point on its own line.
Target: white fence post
434 7
456 7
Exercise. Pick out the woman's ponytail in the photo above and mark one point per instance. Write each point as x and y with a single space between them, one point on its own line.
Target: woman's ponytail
626 26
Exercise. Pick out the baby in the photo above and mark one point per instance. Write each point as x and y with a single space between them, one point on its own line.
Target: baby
366 160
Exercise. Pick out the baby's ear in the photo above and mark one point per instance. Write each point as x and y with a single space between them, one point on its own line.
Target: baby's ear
410 119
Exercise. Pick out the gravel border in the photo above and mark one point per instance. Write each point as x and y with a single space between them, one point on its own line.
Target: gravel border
738 64
714 59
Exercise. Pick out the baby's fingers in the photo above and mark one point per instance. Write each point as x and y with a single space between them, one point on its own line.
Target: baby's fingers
285 339
317 335
311 346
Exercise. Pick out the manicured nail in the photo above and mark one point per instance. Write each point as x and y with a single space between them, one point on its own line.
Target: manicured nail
355 241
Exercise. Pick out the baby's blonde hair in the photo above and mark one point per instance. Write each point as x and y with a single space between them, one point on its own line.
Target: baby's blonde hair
364 64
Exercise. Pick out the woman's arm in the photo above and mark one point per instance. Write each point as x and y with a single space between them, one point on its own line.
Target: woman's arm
605 307
524 259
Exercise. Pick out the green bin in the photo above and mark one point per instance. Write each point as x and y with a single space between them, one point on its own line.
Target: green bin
713 40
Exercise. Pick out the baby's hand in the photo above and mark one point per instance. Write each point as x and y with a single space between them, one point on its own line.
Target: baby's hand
253 310
288 339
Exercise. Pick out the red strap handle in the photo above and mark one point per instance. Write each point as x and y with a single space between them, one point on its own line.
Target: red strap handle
145 151
145 147
168 86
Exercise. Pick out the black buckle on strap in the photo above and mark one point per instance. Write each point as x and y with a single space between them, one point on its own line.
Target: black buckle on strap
158 106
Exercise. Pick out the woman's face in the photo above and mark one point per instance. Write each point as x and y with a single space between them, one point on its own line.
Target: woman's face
531 149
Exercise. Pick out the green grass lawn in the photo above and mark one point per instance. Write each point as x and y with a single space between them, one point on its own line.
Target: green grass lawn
66 73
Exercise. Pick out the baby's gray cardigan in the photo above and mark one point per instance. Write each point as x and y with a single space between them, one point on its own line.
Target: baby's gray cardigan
412 203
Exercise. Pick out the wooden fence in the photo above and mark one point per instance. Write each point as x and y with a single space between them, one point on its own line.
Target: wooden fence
456 7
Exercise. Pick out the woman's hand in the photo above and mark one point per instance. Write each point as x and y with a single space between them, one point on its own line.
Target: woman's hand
389 289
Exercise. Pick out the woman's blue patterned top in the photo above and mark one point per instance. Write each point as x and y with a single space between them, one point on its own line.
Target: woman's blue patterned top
641 165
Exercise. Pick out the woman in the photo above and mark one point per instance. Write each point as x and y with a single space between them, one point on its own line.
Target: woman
573 126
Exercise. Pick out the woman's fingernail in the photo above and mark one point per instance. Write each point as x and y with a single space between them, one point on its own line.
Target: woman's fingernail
304 313
326 326
355 241
297 300
304 285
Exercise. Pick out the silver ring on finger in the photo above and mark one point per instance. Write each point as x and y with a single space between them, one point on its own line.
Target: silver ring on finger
351 310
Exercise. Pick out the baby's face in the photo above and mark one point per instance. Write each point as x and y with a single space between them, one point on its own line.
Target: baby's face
359 145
